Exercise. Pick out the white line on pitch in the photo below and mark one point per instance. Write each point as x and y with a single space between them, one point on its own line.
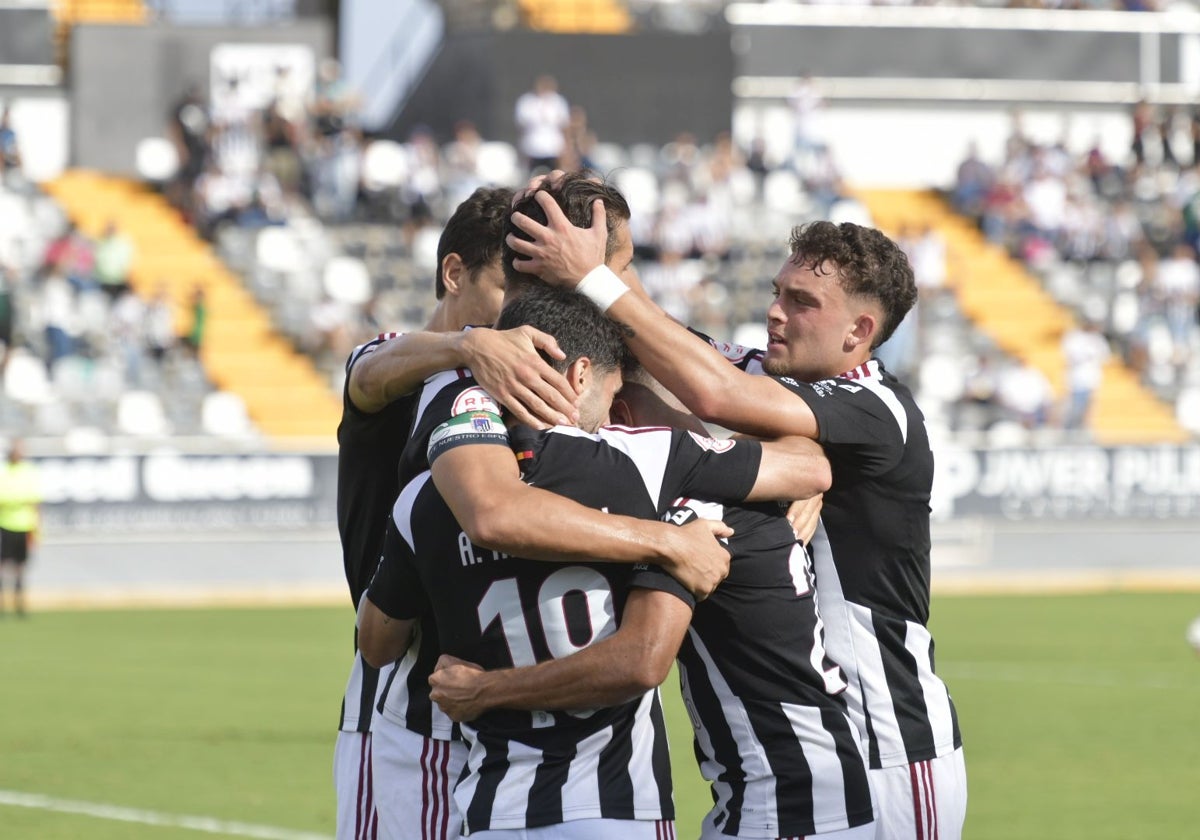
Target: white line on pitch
99 810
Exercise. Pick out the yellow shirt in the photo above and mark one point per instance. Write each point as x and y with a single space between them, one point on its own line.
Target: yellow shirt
20 495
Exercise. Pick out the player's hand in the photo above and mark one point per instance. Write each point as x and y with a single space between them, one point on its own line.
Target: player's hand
700 560
804 517
536 182
506 363
559 252
456 686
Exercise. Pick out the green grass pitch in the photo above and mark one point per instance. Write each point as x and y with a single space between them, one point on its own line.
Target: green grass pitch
1081 716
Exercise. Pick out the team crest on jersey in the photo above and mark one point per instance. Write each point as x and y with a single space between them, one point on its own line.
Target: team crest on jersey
712 444
474 399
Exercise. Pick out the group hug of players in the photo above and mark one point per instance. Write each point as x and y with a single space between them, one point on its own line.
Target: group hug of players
536 524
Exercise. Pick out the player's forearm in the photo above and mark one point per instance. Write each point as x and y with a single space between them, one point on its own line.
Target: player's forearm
540 525
594 677
401 365
698 375
792 468
381 638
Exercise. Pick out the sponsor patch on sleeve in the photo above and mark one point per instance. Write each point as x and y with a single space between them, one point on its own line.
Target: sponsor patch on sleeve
465 429
472 400
712 444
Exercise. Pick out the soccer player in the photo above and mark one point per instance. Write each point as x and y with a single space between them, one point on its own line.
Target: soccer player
839 295
377 406
773 736
602 770
412 752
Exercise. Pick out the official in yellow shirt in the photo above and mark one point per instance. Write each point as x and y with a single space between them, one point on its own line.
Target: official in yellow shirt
20 498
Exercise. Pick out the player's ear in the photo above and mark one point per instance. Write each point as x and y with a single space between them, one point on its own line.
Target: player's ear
454 273
863 331
579 374
620 414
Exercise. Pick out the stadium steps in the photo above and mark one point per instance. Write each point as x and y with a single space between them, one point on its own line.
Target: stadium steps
241 351
600 17
1009 305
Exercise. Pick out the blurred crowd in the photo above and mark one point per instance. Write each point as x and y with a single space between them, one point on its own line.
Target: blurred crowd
1115 239
337 232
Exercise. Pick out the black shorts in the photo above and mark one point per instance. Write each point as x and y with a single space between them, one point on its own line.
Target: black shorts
14 545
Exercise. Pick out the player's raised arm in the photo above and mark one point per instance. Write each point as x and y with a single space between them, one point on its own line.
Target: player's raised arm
688 366
506 362
616 670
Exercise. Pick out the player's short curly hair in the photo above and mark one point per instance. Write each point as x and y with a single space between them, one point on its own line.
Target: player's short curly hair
575 193
475 232
868 264
576 324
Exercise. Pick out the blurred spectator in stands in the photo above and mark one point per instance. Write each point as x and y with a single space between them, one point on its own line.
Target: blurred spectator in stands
1178 286
756 156
337 167
10 149
72 254
330 337
281 137
235 130
709 304
579 142
542 116
1045 197
424 187
927 254
198 310
670 281
1122 232
125 328
1085 351
807 106
1166 137
823 180
8 309
335 103
114 258
1143 124
971 184
977 409
461 156
160 327
189 129
57 314
218 197
1025 394
1194 134
681 157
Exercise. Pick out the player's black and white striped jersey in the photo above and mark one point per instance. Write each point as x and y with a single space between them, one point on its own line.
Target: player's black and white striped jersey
369 447
542 768
772 733
403 695
871 555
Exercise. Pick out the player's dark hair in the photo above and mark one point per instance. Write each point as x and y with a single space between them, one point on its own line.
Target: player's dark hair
578 326
868 265
575 193
475 232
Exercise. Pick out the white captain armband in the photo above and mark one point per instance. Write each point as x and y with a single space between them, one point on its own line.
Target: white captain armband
468 428
602 287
